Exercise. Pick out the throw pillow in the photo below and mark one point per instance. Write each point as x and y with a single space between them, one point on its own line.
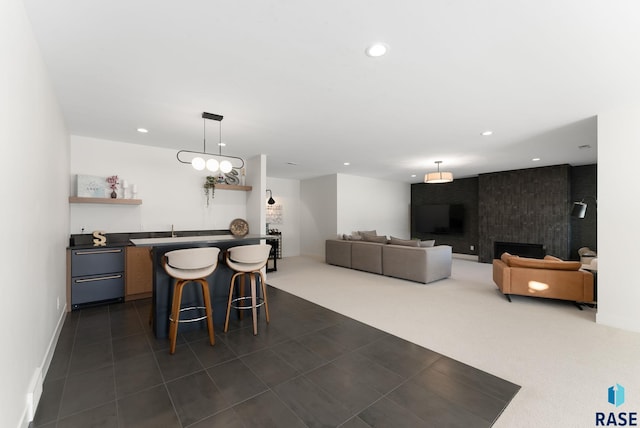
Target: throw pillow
428 243
374 238
368 232
406 242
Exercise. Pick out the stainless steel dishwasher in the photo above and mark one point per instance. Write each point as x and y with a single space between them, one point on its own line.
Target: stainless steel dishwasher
97 276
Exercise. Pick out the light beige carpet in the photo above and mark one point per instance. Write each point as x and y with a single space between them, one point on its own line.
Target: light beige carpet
563 360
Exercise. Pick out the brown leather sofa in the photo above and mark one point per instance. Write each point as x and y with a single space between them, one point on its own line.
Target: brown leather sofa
549 278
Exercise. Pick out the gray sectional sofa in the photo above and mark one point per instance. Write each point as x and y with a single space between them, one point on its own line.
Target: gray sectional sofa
420 264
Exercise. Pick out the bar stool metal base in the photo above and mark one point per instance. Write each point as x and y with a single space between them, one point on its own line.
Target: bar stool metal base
255 303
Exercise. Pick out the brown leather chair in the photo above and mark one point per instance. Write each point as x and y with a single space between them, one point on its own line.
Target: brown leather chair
550 278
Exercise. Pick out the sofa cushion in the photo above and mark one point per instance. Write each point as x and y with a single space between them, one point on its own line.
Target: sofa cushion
406 242
366 256
525 262
374 238
428 243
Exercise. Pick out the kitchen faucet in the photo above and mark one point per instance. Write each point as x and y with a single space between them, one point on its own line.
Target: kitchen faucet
173 234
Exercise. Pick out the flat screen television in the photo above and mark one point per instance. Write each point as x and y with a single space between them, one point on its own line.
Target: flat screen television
437 219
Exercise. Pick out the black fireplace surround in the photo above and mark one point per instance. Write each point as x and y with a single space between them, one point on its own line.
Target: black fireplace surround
535 251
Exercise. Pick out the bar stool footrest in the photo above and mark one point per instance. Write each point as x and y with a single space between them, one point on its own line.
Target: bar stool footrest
191 308
259 302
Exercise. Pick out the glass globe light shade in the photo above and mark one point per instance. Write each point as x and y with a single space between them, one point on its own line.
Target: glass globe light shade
197 163
225 166
212 165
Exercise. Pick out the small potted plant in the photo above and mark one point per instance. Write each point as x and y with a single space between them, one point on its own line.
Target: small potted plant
210 187
113 184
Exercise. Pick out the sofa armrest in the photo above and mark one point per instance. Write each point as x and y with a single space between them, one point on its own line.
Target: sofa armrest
589 289
338 252
416 263
439 261
502 276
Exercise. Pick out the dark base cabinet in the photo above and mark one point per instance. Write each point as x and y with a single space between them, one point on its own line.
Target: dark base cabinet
97 276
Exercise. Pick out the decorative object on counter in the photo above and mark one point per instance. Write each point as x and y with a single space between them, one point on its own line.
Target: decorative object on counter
91 186
212 161
99 238
134 191
209 187
239 227
243 176
113 184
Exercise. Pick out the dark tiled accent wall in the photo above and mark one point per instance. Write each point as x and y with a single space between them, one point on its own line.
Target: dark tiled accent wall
584 184
461 191
527 206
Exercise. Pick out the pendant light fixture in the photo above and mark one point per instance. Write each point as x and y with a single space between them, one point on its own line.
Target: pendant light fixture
438 177
211 161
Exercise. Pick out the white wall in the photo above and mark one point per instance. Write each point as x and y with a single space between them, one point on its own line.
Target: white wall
373 204
34 169
171 192
257 179
618 207
318 208
340 203
286 193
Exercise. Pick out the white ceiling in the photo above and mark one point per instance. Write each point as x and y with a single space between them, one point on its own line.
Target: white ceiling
293 82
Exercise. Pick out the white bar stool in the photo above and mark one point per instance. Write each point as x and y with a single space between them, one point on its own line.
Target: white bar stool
190 265
248 260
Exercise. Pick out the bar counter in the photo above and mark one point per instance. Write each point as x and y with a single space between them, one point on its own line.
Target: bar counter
219 280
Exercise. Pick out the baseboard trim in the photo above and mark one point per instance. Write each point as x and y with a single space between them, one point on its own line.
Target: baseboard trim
37 379
465 257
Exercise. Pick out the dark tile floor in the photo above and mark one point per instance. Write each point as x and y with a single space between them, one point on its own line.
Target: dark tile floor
310 367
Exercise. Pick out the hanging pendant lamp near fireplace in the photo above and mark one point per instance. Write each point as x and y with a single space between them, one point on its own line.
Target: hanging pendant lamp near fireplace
212 161
439 176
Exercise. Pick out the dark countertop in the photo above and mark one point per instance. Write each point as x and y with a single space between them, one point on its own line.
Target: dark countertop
206 239
85 240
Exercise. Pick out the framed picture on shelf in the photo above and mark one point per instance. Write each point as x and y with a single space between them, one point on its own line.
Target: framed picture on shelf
91 186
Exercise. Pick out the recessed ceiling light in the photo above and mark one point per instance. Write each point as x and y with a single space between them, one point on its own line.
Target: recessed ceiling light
535 159
142 130
413 176
487 133
222 144
346 164
377 49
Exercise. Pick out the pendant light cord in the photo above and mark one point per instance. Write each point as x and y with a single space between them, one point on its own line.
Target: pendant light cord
204 135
